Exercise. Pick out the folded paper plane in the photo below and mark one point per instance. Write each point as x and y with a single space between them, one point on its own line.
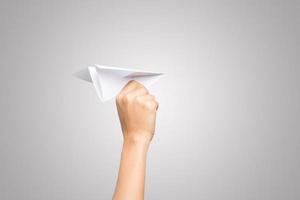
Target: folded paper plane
108 81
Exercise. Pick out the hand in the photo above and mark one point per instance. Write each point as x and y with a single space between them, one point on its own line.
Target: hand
137 112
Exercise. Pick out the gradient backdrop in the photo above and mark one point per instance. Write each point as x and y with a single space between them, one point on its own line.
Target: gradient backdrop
229 119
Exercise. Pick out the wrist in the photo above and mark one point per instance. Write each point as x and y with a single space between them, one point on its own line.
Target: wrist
138 148
136 140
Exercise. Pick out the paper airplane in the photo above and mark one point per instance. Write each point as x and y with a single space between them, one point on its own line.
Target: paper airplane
108 81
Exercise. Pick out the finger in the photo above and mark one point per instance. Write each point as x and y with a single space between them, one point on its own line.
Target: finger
152 104
137 92
147 97
130 86
155 104
149 100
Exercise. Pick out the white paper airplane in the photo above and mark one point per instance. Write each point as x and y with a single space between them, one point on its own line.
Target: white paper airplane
108 81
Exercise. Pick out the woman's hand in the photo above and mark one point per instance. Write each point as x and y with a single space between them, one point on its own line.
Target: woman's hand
137 112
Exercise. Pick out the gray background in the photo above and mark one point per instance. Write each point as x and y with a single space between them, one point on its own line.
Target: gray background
228 124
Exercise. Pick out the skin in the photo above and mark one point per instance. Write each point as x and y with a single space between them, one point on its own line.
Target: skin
137 113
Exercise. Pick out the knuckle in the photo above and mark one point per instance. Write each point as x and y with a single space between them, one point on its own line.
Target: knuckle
128 98
127 84
149 105
142 87
133 82
119 97
145 89
152 96
139 99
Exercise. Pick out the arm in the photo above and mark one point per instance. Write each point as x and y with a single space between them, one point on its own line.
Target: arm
137 113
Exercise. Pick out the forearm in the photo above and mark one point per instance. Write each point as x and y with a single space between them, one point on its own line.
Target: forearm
131 178
137 114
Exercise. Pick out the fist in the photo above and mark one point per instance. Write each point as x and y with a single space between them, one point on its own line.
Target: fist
137 112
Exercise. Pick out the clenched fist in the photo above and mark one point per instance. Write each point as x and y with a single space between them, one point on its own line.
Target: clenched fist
137 112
